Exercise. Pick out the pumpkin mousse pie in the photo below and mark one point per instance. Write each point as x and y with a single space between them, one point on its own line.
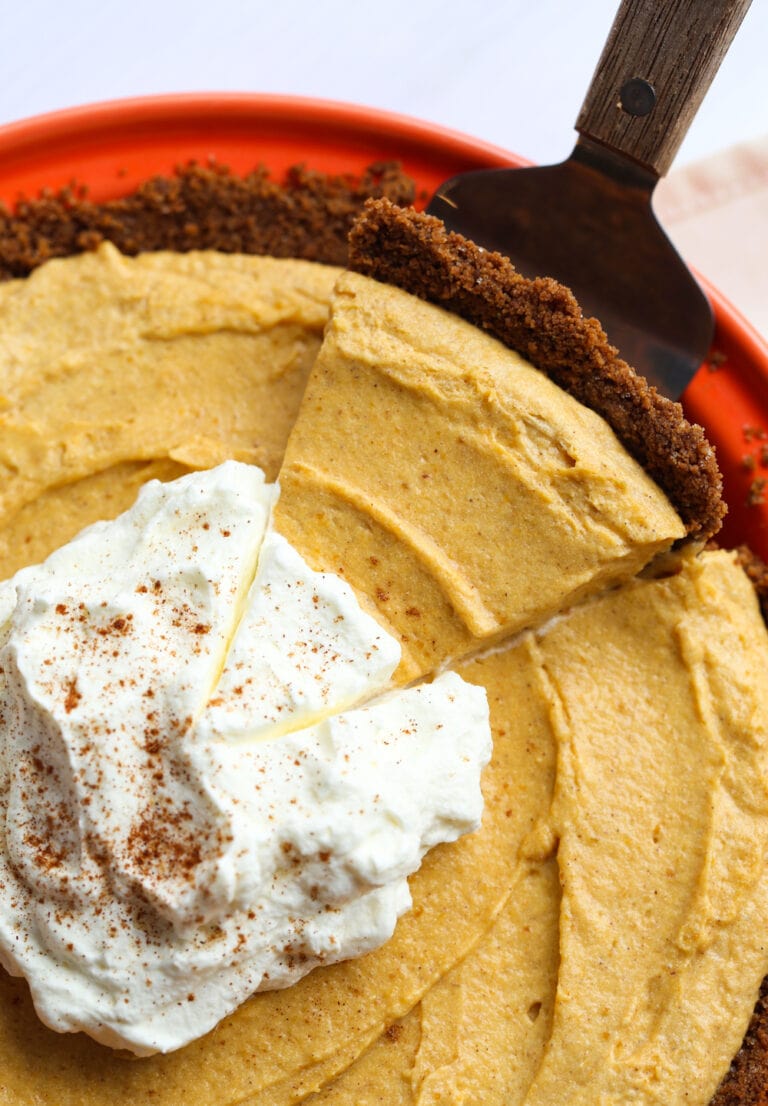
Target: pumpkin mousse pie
468 461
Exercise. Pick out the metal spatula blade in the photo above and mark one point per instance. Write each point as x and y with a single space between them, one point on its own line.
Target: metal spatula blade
589 222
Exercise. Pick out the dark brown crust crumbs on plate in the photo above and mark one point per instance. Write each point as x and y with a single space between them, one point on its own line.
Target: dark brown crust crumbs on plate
307 215
542 321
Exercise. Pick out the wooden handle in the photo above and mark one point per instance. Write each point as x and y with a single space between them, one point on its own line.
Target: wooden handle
655 69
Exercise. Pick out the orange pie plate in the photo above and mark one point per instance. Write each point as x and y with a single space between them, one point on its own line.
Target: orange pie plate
112 147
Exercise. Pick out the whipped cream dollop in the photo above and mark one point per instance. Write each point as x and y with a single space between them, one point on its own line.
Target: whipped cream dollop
207 787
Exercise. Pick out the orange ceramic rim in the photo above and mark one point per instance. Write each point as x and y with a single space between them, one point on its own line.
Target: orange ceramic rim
111 147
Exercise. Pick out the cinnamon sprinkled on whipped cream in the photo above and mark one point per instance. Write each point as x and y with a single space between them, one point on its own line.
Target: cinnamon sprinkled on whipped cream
205 787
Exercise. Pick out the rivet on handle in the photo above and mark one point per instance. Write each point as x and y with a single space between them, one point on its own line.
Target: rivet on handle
665 53
637 97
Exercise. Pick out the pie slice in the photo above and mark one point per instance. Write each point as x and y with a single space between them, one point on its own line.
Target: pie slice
462 491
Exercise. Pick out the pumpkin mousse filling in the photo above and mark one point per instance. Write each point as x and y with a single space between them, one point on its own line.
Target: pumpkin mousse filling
498 495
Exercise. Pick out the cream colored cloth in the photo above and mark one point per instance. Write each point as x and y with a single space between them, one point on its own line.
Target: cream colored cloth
716 213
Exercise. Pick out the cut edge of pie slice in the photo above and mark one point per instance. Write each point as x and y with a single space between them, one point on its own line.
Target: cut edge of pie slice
473 477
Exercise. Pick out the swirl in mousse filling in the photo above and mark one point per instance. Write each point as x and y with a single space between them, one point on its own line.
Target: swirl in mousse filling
208 784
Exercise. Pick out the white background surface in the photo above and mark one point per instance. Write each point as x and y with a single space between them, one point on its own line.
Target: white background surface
513 72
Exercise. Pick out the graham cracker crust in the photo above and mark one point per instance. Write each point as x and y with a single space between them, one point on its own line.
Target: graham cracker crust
306 215
746 1082
542 321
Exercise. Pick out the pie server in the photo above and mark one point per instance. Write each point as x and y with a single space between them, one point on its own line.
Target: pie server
588 221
